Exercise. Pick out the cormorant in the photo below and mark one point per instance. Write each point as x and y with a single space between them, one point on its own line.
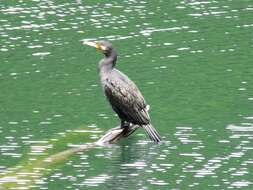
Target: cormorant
124 96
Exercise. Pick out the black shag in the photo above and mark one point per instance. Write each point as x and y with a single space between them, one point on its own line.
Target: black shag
123 95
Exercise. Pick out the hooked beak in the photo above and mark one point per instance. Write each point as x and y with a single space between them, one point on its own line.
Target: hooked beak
97 45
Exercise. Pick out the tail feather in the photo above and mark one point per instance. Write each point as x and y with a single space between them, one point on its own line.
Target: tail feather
152 133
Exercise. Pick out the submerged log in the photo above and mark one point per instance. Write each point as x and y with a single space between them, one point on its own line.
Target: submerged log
11 178
111 136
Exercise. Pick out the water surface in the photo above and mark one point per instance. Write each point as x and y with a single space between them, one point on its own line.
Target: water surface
192 61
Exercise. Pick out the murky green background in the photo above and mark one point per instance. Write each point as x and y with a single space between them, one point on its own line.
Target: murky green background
191 59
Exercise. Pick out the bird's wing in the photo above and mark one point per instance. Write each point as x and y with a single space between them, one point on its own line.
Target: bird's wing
127 100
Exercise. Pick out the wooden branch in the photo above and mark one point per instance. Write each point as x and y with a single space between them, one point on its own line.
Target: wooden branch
115 134
111 136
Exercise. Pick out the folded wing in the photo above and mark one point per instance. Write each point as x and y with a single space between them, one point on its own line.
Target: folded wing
126 100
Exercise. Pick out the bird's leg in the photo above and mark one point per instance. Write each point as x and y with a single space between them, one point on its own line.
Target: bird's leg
124 124
128 128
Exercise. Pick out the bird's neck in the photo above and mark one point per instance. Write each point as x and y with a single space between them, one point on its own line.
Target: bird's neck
107 64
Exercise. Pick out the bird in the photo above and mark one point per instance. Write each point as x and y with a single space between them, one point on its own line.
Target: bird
122 93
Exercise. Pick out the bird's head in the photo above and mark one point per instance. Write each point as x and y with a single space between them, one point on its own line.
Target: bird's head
104 46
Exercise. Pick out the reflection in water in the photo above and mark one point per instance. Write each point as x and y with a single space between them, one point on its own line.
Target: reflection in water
131 166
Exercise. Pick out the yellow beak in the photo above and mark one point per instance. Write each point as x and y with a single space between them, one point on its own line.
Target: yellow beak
96 45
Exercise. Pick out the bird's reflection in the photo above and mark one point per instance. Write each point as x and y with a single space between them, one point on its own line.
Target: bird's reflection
129 162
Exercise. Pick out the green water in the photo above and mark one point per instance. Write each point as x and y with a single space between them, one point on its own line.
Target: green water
191 59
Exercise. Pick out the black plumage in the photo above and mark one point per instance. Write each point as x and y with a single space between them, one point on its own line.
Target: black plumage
123 95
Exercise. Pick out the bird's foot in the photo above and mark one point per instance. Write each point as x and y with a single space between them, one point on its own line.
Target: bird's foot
129 129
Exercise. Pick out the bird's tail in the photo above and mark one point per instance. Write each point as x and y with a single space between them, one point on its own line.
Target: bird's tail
152 133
